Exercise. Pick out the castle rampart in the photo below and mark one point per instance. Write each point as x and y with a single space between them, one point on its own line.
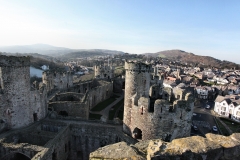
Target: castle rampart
191 148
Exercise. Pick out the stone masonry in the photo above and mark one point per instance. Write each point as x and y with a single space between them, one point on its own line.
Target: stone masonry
18 105
151 111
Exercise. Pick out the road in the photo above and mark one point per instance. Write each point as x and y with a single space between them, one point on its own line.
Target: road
203 119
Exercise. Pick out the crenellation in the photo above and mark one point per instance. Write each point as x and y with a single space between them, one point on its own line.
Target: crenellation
14 61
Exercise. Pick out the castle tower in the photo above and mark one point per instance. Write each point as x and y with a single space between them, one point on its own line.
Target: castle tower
137 84
15 91
148 109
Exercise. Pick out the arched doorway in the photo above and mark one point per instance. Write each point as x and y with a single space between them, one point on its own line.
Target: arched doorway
137 133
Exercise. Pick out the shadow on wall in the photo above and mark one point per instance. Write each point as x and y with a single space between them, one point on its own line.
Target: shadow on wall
15 156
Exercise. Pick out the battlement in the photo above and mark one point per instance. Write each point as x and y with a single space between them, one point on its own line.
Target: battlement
137 66
49 73
11 61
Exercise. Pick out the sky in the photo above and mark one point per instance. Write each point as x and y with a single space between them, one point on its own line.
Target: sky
202 27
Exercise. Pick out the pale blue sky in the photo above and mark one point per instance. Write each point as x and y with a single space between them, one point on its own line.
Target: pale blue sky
203 27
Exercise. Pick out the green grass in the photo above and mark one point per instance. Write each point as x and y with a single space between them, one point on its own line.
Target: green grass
234 126
94 116
87 77
222 128
100 106
114 109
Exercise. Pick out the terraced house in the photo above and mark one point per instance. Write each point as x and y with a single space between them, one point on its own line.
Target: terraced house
228 106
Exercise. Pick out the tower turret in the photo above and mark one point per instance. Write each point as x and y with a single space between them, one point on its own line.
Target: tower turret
15 86
137 84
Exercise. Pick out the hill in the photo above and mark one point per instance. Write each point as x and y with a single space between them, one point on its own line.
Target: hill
57 52
35 48
38 60
87 53
186 57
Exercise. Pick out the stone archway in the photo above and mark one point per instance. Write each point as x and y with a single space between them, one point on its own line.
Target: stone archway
137 133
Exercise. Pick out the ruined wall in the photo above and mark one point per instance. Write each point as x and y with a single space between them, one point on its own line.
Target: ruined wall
67 96
58 148
38 102
16 98
87 138
31 140
102 71
74 109
78 104
82 87
15 77
191 148
100 93
57 81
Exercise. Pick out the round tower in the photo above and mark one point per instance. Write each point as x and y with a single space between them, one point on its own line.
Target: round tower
15 84
137 84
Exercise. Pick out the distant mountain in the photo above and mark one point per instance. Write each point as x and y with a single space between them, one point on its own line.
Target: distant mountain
49 50
179 55
35 48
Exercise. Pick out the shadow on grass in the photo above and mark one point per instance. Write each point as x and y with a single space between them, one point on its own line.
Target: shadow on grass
114 109
102 105
94 116
234 126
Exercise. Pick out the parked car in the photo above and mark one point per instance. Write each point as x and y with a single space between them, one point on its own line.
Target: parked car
194 127
194 114
214 128
207 106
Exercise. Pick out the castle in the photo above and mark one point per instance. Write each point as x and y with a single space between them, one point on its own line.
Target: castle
151 111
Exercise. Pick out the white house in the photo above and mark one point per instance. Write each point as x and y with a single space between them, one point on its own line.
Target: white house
222 81
228 106
202 92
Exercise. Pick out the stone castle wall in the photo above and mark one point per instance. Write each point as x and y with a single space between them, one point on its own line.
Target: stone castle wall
78 104
38 102
149 110
17 101
73 109
102 71
137 82
212 147
55 140
57 81
82 87
100 93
